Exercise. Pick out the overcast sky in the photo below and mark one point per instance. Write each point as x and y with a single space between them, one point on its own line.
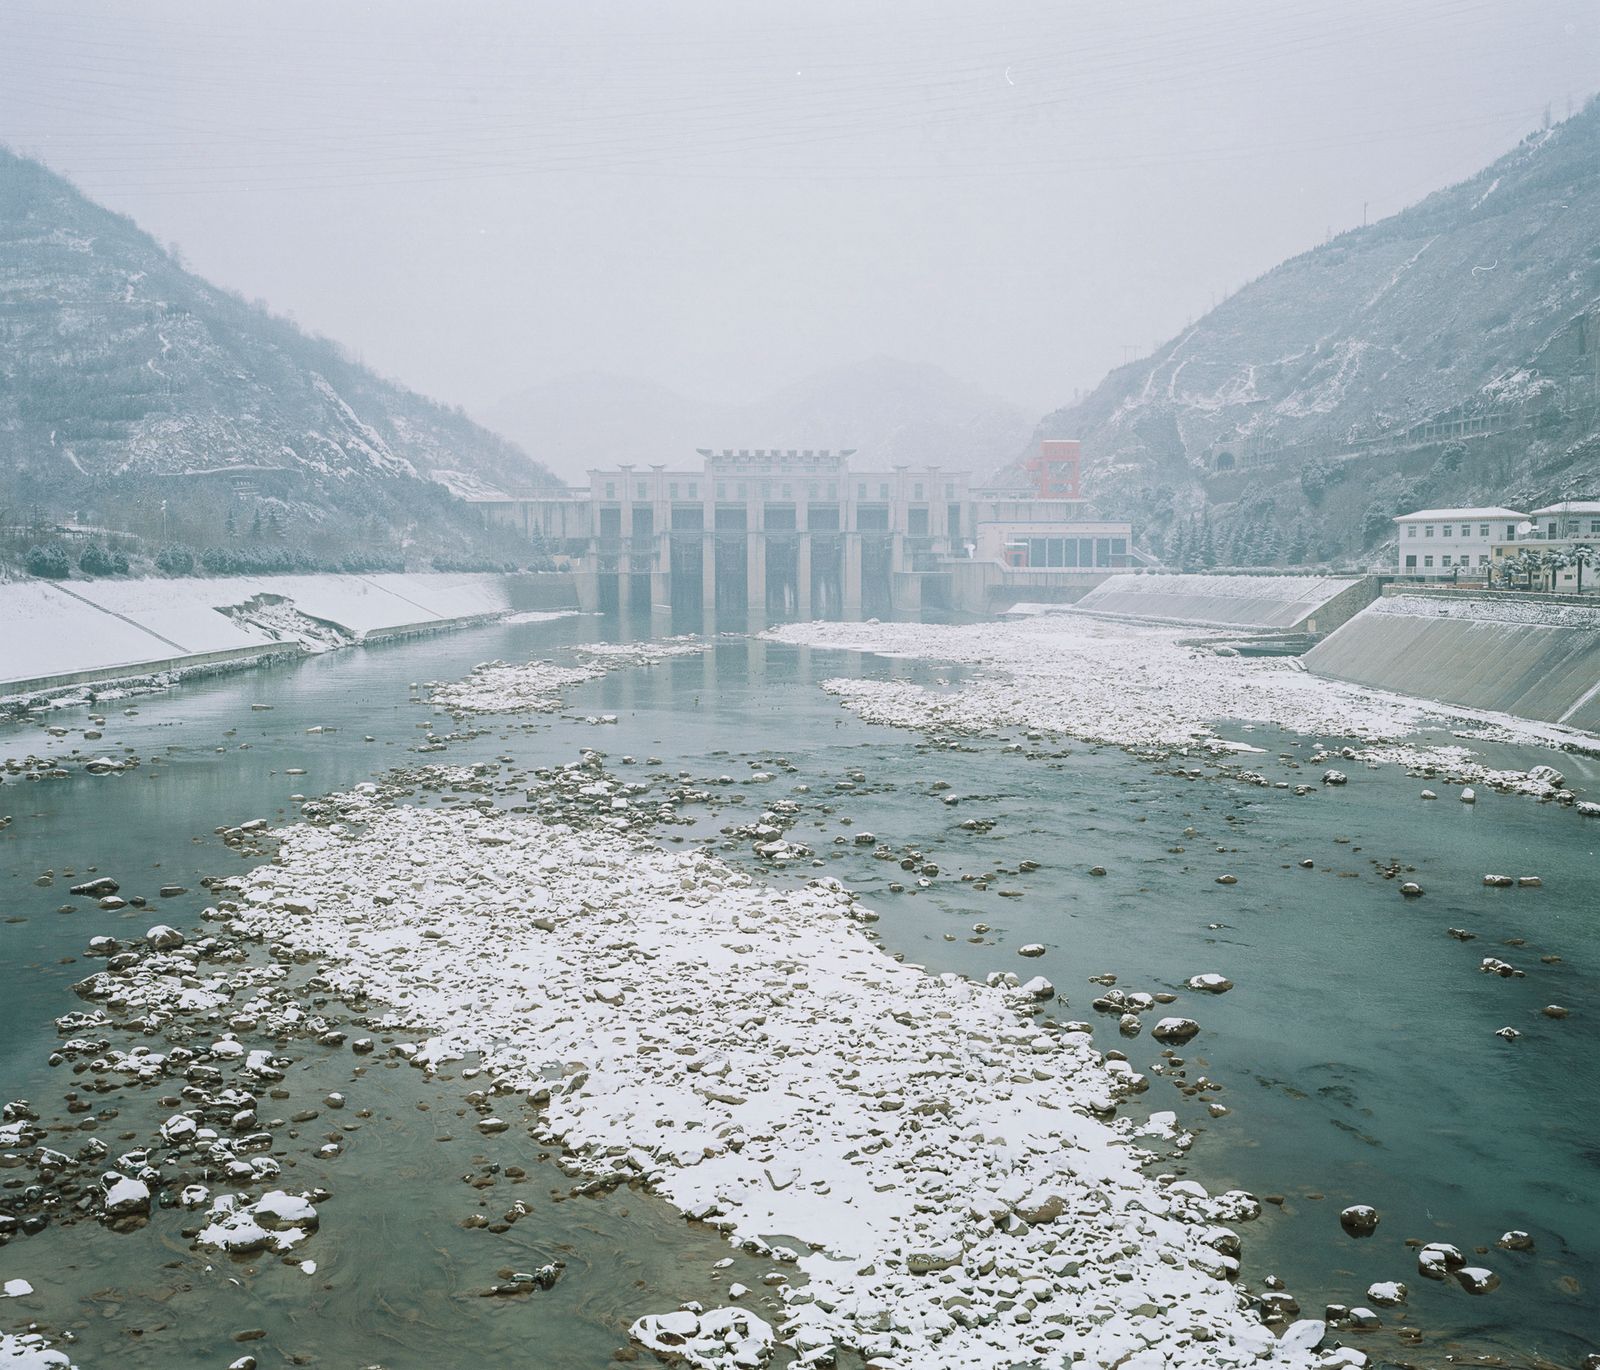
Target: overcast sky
723 195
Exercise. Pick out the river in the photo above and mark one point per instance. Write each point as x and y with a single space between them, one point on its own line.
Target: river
1356 1055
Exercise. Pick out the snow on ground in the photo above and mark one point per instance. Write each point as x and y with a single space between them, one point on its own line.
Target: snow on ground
503 687
749 1054
1135 685
500 687
539 615
1521 612
30 1351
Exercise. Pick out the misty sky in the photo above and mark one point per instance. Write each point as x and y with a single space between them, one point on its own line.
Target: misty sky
723 195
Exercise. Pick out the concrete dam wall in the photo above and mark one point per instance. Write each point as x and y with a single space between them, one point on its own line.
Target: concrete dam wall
1313 604
1535 659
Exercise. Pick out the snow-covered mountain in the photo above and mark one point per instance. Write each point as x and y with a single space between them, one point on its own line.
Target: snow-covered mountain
1446 354
890 411
124 376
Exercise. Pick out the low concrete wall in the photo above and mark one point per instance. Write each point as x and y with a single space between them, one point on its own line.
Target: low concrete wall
199 664
402 631
1535 657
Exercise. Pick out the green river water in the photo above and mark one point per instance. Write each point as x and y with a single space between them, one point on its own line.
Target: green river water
1357 1053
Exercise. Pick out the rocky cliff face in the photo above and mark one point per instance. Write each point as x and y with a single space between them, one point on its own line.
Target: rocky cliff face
122 372
1449 353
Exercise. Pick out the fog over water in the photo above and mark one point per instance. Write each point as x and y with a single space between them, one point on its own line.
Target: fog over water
723 197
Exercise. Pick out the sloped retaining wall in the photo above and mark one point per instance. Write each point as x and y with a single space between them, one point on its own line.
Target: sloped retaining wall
59 634
1536 658
1312 604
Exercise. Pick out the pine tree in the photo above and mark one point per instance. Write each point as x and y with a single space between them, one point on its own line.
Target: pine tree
1299 543
1180 547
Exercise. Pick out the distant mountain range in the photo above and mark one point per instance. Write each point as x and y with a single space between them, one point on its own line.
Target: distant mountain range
127 382
891 411
1448 354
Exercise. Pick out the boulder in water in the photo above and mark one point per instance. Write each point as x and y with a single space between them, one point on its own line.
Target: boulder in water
1359 1220
1387 1293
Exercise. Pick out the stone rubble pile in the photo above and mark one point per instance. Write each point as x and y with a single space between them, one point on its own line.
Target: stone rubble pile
749 1054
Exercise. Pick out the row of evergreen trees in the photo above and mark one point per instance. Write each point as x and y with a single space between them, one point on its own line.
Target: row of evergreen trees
51 561
1252 539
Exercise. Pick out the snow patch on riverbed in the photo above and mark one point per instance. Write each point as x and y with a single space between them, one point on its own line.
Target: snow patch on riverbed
30 1351
1135 686
537 686
746 1052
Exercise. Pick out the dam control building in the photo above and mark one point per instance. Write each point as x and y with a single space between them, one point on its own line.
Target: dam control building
808 533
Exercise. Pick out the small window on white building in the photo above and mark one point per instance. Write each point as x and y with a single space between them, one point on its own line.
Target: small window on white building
1427 562
641 491
611 489
1448 531
1445 559
1483 530
1511 532
1411 530
1483 558
1427 531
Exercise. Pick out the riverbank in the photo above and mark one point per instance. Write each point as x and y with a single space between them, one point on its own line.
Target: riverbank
61 636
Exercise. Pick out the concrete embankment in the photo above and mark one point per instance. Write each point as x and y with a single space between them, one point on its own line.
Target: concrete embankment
1309 604
1537 658
56 634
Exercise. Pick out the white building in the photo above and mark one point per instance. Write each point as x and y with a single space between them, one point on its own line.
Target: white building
1575 520
1558 530
1453 544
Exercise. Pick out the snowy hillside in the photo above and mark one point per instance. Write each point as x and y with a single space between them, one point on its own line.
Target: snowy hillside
1339 378
122 371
